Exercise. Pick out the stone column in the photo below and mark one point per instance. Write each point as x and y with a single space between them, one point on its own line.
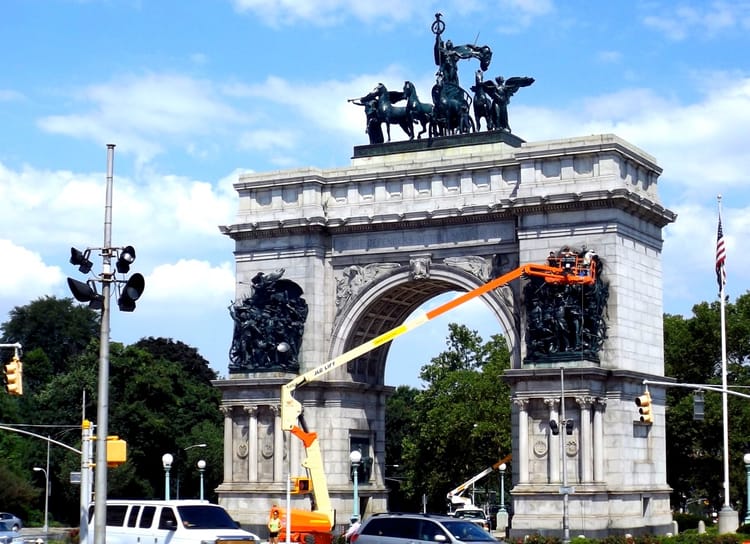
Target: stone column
278 445
598 439
252 443
553 446
228 443
585 438
523 440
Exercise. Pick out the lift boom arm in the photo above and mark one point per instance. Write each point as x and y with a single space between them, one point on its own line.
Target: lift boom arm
458 491
291 409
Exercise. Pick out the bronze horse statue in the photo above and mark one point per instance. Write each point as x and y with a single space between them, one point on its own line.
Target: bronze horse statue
419 112
451 109
390 114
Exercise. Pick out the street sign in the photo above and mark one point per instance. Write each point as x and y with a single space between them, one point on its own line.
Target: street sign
75 478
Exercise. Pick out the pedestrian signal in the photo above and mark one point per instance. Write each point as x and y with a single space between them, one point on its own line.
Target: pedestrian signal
14 376
644 404
301 486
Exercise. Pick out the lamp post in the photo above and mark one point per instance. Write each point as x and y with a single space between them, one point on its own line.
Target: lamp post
166 461
201 468
502 468
46 495
501 517
355 457
178 472
746 459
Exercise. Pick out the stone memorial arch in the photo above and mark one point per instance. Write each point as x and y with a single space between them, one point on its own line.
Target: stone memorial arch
354 250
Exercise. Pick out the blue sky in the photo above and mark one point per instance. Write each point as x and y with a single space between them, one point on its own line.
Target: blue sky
195 92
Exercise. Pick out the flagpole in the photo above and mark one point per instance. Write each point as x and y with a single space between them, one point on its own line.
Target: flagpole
724 380
729 522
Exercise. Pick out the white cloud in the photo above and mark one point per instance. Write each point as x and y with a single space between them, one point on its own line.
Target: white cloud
697 143
190 282
145 113
703 21
385 12
24 275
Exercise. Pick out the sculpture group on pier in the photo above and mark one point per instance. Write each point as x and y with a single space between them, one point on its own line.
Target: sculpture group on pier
268 326
451 109
566 321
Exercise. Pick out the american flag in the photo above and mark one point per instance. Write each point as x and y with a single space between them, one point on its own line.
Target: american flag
721 255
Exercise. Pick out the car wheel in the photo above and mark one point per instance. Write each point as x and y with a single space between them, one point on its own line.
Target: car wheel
16 527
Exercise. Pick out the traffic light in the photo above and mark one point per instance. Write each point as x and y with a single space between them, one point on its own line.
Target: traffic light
698 406
569 426
14 376
117 451
644 403
301 486
131 292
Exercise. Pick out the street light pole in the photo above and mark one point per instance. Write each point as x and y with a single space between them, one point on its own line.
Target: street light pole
355 457
46 493
502 468
746 458
201 469
166 461
102 405
564 490
182 469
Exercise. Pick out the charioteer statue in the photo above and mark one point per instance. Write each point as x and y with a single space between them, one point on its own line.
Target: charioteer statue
450 112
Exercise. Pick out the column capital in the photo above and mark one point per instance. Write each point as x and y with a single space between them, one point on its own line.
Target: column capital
584 401
552 402
251 410
522 403
600 403
226 410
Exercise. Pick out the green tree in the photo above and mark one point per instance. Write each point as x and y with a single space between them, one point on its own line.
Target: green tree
400 423
693 354
463 415
160 400
57 327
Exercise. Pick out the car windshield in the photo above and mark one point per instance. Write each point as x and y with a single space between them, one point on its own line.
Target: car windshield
468 532
470 514
5 527
205 517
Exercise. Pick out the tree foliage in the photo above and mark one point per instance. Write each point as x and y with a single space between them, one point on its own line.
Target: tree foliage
693 355
160 401
459 424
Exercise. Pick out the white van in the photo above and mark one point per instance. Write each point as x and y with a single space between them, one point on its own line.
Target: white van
169 522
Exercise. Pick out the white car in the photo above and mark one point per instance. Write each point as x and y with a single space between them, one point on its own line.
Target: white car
173 522
474 515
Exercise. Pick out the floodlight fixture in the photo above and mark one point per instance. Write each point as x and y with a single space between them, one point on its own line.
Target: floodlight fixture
131 292
81 260
126 258
86 292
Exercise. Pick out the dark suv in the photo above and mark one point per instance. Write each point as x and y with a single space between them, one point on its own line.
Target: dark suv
407 528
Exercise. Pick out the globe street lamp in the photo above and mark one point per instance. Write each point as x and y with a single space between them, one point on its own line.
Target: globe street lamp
746 458
46 495
201 468
356 458
166 461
